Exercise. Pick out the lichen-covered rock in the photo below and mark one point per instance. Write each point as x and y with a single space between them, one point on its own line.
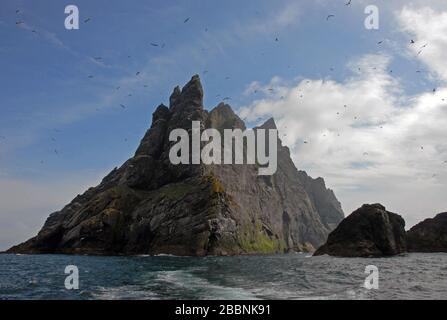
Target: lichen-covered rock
429 235
370 231
150 206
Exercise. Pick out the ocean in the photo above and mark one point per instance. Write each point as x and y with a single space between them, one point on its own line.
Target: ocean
290 276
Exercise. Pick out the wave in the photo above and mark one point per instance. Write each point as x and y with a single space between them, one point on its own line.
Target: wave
189 282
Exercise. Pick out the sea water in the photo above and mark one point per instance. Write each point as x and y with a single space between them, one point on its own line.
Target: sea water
290 276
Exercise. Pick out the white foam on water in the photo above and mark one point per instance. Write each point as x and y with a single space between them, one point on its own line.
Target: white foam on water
184 280
128 292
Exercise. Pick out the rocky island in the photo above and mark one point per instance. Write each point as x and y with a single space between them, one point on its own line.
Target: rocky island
429 235
151 206
370 231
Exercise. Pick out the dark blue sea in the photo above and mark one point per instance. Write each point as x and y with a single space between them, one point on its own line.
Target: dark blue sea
291 276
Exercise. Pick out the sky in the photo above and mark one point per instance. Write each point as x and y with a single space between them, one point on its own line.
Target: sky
364 109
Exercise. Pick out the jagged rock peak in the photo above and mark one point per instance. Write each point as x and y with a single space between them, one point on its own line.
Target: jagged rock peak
193 88
269 124
174 96
324 200
223 117
223 108
150 205
161 113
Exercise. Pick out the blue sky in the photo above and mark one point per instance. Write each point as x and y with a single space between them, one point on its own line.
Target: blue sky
62 130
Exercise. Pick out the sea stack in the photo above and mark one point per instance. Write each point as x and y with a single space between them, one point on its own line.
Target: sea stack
370 231
429 235
150 206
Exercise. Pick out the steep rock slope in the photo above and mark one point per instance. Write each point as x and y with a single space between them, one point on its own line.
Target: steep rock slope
151 206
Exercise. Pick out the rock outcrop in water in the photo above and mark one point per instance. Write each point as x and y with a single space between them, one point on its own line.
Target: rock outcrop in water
429 235
151 206
370 231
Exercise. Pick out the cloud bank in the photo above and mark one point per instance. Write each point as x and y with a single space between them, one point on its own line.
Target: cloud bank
369 140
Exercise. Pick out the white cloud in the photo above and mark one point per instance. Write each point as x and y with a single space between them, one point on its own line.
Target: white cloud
370 141
429 29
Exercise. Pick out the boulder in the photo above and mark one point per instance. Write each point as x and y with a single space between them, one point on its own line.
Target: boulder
370 231
429 235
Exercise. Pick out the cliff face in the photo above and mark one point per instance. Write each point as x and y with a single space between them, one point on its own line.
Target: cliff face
370 231
151 206
429 235
323 200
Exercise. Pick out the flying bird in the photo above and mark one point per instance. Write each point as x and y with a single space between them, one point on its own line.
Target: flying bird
123 106
412 42
348 3
186 20
19 23
154 44
87 20
329 16
137 73
90 76
422 47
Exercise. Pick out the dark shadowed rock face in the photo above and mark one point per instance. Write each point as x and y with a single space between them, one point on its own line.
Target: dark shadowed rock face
323 200
150 206
429 235
370 231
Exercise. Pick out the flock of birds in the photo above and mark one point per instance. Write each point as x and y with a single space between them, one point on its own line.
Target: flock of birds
271 90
